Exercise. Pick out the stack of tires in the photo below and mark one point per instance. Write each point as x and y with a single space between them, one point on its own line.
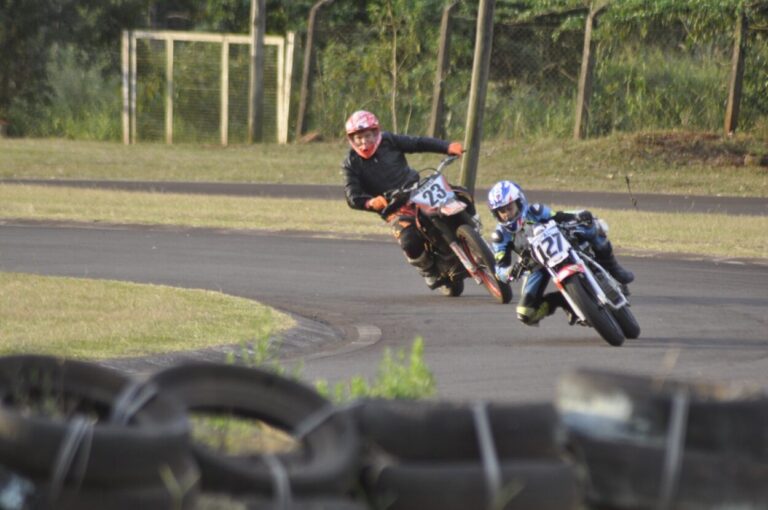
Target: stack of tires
422 455
655 443
59 434
81 436
76 435
320 474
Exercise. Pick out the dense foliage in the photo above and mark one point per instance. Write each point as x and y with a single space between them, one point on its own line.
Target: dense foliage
381 55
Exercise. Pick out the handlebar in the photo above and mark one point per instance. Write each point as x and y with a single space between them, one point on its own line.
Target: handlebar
399 196
445 162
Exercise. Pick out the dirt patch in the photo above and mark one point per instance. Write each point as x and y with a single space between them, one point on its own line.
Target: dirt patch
685 148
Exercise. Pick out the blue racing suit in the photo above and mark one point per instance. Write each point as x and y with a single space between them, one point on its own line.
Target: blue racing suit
533 304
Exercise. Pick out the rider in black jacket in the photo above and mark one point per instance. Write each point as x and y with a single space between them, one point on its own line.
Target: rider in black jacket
376 163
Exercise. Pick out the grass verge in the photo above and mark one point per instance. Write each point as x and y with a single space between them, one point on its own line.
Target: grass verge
93 319
655 162
716 235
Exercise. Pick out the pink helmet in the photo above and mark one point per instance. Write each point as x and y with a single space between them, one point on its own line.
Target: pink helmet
362 120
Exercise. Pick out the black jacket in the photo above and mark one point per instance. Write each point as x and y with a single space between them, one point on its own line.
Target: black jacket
387 169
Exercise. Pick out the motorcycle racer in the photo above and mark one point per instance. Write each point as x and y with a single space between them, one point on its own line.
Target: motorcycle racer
376 163
512 211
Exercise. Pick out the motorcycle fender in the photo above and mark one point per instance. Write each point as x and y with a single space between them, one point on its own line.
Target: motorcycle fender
566 272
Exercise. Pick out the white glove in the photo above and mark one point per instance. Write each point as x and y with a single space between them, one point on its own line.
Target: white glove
503 273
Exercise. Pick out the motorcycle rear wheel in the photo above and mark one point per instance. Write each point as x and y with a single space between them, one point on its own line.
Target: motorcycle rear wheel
598 317
454 288
627 322
482 256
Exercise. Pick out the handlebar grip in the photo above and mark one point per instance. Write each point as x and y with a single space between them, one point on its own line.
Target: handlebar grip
395 203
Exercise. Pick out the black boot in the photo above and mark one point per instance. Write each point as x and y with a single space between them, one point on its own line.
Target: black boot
426 266
605 258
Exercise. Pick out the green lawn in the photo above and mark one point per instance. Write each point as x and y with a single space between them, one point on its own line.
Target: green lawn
681 163
704 234
88 318
84 318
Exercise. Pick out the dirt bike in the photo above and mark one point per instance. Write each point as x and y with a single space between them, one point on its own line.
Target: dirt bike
595 298
447 219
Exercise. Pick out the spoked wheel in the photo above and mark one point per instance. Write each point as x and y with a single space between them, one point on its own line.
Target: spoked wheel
597 316
481 255
454 288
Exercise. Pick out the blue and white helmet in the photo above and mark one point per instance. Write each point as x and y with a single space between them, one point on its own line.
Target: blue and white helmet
508 204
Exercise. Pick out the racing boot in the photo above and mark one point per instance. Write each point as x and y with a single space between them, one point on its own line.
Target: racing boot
531 316
605 258
426 267
557 300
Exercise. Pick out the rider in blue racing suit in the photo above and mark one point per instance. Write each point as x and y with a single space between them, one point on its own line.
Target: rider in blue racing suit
512 211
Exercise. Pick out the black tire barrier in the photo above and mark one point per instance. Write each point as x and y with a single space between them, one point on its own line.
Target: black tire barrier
722 418
81 436
529 485
624 475
79 445
646 442
328 462
443 431
313 503
121 497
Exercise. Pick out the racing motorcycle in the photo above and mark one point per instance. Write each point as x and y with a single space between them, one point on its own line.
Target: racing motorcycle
595 298
447 220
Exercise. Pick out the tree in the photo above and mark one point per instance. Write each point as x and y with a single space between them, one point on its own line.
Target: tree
31 29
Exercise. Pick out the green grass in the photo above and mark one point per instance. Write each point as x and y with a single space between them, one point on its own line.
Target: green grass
668 162
91 319
704 234
233 435
400 375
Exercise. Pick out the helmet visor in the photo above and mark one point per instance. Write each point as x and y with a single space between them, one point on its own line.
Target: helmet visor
508 212
365 142
364 138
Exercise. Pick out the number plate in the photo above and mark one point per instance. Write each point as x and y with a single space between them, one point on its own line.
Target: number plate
452 207
549 247
433 193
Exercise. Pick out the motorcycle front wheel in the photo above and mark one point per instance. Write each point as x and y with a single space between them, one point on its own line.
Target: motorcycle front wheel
597 316
477 249
627 322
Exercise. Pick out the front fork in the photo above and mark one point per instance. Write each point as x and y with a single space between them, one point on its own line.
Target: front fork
579 266
558 277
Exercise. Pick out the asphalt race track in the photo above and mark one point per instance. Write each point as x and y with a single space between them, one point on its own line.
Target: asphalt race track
699 318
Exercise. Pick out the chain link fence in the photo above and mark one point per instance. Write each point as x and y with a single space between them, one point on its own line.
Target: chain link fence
659 80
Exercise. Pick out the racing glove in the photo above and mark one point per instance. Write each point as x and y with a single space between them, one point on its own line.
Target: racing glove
504 274
455 149
376 203
584 216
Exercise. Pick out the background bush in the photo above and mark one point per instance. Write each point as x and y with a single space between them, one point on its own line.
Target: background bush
661 65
